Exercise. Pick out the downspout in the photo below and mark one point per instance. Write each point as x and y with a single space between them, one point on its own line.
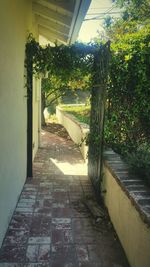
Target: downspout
29 120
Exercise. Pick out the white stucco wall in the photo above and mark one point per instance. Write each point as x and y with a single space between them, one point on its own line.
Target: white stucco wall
15 24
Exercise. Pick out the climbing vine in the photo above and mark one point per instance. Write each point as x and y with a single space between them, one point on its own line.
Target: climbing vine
128 108
127 123
60 60
65 63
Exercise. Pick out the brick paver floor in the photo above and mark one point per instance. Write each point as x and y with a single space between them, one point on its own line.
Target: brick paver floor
50 225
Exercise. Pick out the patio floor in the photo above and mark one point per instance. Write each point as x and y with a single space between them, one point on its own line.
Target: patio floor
50 225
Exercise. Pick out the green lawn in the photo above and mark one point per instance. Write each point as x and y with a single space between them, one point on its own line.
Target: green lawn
82 113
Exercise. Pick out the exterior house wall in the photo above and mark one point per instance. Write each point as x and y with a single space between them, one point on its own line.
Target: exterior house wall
15 24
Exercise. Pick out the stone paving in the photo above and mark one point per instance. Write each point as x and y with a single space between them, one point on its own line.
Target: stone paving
50 226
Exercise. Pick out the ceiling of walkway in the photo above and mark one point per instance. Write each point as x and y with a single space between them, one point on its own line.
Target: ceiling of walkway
60 19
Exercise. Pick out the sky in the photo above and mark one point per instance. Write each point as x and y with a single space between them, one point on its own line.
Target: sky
93 21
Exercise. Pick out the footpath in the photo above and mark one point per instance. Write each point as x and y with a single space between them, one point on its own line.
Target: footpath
51 226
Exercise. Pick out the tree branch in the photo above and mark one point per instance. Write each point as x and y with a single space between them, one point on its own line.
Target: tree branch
47 105
50 93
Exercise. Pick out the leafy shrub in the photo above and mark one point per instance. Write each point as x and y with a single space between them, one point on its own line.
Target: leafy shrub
127 120
139 163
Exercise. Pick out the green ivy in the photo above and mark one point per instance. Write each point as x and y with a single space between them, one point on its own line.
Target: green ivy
59 60
127 124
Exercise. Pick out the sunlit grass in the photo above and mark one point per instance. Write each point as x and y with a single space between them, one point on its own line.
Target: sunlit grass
82 112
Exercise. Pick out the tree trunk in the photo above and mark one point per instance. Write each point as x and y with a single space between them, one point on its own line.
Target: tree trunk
43 105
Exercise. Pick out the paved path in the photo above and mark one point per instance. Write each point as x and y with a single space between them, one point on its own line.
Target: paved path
51 226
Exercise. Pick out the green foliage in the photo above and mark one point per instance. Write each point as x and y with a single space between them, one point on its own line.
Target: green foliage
129 90
135 14
107 22
68 68
52 90
135 9
127 124
82 112
61 61
55 88
128 105
139 163
65 64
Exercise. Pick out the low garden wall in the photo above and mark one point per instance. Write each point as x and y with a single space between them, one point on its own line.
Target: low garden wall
128 202
126 197
76 130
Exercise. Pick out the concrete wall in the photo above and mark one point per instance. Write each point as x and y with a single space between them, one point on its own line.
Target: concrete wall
15 24
76 130
133 233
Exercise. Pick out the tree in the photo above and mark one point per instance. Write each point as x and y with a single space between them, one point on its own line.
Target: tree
107 22
68 67
53 88
136 9
127 120
136 14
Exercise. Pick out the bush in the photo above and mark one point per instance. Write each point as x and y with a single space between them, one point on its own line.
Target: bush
127 121
139 163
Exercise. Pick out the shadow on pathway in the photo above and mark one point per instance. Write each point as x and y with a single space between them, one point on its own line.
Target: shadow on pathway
51 227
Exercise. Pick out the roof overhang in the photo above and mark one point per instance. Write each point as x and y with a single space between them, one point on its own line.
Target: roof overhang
60 20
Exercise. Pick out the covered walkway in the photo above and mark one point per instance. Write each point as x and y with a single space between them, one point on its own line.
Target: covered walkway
51 226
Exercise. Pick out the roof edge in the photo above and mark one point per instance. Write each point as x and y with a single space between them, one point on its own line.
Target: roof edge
80 11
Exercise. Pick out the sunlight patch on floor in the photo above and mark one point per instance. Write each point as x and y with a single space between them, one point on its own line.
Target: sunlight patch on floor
70 169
